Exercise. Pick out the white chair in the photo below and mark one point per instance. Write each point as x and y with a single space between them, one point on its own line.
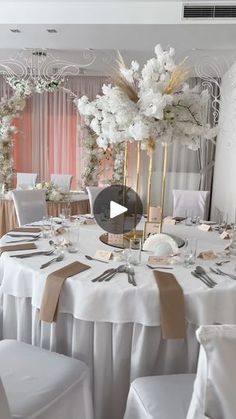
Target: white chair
26 180
30 205
62 181
172 396
42 385
93 192
190 203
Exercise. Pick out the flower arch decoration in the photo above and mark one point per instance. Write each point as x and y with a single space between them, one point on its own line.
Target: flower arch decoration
38 71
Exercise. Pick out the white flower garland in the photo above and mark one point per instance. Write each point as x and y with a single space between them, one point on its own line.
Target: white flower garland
9 109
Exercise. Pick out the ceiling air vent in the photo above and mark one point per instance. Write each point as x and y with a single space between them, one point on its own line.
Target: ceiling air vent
219 11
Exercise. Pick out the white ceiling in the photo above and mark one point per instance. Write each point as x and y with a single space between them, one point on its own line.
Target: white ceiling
135 41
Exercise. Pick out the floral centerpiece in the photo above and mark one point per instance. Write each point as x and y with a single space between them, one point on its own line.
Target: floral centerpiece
152 103
52 192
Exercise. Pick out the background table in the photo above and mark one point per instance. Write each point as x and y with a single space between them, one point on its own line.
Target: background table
79 204
112 326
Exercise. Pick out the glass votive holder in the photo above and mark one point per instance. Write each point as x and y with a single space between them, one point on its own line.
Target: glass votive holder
73 239
190 251
46 227
135 248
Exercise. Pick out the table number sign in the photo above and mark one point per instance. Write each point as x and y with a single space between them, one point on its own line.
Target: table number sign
103 255
151 228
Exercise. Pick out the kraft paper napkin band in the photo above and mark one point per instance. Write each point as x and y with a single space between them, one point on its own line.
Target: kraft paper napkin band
15 247
26 230
52 289
172 306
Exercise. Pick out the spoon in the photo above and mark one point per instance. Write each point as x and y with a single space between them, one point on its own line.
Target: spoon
222 262
201 271
130 271
59 258
99 260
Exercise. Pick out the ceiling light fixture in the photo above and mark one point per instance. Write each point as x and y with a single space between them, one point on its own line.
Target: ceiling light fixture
15 30
51 30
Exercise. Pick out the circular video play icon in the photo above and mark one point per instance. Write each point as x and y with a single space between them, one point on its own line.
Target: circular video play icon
118 209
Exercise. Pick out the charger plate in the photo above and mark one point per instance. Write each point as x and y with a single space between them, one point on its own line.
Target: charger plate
139 234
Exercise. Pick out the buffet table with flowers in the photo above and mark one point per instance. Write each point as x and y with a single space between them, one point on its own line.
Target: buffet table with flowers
113 326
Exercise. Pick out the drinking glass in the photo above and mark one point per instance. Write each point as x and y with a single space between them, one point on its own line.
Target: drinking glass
73 238
190 251
135 248
46 227
188 217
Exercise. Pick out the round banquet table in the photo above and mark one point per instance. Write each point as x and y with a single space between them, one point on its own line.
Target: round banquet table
112 326
79 204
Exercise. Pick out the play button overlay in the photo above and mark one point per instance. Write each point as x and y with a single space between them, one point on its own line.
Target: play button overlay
118 209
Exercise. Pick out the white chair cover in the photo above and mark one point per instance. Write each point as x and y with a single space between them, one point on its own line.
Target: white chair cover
30 205
62 181
161 397
195 203
43 385
4 406
25 180
93 192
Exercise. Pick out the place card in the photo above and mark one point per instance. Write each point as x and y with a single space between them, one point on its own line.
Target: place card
154 214
205 227
89 222
156 260
116 239
103 255
224 235
208 255
169 220
151 228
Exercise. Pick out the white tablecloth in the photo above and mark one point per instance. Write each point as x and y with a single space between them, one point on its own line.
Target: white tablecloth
113 326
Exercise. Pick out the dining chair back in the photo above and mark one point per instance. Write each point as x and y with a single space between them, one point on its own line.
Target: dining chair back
62 181
188 203
30 205
26 180
40 384
93 192
210 393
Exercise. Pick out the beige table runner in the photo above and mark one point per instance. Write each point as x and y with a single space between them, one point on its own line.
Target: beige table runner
15 247
54 283
172 306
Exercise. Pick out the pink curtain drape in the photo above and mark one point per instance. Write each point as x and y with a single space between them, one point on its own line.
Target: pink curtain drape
48 139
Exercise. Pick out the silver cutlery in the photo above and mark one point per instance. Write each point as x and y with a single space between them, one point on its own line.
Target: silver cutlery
158 267
34 236
108 274
220 272
120 269
98 260
28 255
22 241
222 262
131 273
201 271
208 284
59 258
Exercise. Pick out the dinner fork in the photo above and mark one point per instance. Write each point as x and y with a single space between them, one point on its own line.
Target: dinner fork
218 271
